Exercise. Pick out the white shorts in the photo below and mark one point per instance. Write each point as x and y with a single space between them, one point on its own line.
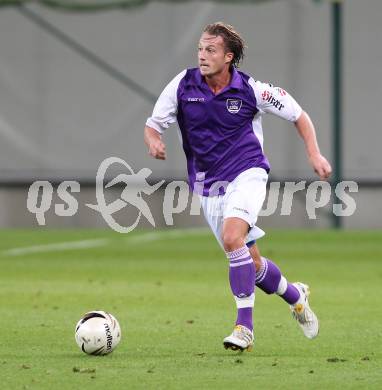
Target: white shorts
243 199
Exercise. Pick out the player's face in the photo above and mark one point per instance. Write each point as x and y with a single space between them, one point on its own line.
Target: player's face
212 55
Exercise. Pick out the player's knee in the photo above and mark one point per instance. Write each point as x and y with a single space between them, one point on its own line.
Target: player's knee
232 241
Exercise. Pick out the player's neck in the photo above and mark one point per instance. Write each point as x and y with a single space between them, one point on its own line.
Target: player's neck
219 81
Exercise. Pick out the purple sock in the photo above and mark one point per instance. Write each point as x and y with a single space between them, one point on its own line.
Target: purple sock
269 276
244 317
242 274
270 280
291 294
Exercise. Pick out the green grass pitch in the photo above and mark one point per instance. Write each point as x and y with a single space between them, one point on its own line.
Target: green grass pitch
170 293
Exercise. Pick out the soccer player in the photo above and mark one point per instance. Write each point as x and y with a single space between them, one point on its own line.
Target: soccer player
219 110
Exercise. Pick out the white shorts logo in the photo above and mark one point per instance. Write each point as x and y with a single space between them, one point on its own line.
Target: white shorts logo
233 105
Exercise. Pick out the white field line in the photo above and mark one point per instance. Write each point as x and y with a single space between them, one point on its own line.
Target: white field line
86 244
59 246
167 235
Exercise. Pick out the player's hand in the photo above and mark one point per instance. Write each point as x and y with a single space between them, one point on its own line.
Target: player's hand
321 166
157 149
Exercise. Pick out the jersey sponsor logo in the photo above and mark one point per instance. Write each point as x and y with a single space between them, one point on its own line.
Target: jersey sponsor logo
195 99
282 92
268 97
233 105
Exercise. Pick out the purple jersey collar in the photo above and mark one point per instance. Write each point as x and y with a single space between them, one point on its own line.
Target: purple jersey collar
236 81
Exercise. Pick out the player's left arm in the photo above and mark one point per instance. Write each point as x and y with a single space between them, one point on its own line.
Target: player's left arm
277 101
307 132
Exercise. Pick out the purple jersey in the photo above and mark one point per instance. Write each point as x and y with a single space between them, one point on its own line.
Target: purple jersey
222 134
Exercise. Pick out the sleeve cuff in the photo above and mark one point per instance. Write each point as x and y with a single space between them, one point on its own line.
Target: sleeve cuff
154 125
298 114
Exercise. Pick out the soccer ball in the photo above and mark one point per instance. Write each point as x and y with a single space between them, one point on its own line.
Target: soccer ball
98 333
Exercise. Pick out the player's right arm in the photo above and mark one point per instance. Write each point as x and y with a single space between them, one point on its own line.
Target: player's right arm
163 115
154 143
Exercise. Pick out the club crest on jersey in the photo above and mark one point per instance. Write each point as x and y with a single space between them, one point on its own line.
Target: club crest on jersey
233 105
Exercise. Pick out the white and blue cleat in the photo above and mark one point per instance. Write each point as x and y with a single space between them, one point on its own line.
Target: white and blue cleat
302 312
241 339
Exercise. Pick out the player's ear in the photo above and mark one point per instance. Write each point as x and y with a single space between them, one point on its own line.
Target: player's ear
228 57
